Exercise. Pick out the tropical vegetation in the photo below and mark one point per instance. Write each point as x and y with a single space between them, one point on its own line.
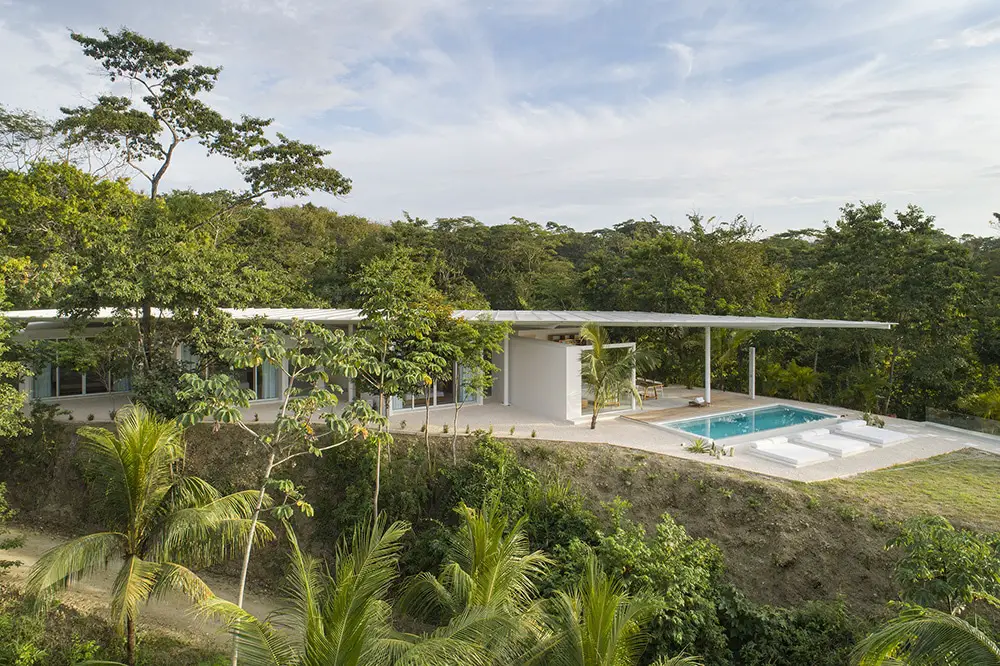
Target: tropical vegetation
471 558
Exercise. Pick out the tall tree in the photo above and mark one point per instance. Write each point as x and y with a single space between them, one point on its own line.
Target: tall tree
171 109
307 357
159 524
394 315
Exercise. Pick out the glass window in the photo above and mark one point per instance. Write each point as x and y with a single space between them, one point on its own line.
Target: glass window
94 383
70 382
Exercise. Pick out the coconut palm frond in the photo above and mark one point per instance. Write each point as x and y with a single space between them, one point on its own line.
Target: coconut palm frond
72 561
474 637
132 585
203 535
927 636
258 643
355 613
429 599
599 624
171 577
489 565
679 660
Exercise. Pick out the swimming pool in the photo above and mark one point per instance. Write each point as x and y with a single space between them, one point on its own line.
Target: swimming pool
745 422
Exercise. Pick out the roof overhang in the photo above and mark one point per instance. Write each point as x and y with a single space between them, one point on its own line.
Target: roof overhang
520 319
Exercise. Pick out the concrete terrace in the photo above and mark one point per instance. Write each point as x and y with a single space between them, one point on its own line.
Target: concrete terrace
634 430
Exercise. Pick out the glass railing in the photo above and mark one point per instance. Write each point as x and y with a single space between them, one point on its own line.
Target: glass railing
963 421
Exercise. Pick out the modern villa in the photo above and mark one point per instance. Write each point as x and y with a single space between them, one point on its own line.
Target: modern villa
539 369
539 389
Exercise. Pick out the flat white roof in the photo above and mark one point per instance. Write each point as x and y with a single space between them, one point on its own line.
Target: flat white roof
520 319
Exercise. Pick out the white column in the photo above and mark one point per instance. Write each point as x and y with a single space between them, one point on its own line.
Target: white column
633 379
506 371
753 373
350 381
708 364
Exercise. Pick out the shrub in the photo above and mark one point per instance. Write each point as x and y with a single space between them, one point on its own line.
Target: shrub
680 572
491 473
943 567
818 633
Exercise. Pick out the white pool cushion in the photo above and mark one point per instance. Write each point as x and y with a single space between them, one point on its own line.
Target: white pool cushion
832 443
875 436
778 449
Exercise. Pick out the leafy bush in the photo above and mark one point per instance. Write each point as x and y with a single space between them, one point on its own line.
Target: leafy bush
679 572
818 633
943 567
557 515
491 473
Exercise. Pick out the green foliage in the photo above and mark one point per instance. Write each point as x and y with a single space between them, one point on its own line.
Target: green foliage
927 636
818 633
158 525
680 573
943 567
7 542
492 475
986 404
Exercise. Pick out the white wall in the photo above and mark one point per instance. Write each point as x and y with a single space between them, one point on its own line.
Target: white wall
538 377
497 390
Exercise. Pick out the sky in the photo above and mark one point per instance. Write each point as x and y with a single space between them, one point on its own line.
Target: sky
583 112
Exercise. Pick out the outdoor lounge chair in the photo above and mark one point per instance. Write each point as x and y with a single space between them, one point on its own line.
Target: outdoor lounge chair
875 436
780 450
648 385
836 445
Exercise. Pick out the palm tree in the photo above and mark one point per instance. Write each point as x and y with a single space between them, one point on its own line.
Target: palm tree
344 619
608 371
927 636
489 566
986 405
801 381
596 624
157 525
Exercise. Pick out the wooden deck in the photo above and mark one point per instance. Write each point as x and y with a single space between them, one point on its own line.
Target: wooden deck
721 403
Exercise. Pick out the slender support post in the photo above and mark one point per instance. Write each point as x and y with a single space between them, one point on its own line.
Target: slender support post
506 371
633 380
708 364
753 373
350 382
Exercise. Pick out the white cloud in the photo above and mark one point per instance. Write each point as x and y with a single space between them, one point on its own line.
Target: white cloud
444 107
685 57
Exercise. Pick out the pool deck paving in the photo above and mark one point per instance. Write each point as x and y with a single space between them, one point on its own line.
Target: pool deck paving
636 431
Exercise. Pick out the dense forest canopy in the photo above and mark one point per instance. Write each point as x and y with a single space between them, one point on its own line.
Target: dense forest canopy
76 241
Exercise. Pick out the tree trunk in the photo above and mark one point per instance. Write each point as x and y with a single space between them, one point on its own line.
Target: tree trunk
249 547
146 325
378 475
130 641
427 425
454 437
593 419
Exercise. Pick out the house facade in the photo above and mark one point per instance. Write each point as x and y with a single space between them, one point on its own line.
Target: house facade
539 369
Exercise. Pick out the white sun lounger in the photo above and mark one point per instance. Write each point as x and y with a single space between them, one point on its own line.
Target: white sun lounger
780 450
836 445
875 436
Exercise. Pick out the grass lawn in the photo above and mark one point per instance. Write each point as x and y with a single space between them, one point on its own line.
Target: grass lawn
961 486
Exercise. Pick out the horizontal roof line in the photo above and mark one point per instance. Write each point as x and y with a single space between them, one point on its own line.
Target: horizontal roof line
519 318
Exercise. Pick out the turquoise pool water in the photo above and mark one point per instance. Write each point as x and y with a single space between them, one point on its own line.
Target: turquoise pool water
746 422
